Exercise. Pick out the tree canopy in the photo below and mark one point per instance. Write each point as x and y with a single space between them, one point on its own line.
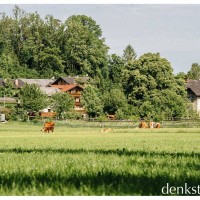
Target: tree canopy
62 102
194 72
85 48
32 98
151 87
92 101
129 54
36 47
47 47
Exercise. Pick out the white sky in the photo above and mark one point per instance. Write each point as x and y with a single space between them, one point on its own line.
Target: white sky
173 30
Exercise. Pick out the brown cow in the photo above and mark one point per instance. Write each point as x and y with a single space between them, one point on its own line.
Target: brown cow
143 125
154 124
48 126
157 125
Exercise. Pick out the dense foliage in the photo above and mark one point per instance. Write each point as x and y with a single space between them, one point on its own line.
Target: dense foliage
33 47
85 50
151 87
32 98
62 102
194 72
92 101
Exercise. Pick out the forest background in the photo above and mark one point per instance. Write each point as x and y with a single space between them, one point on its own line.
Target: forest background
125 86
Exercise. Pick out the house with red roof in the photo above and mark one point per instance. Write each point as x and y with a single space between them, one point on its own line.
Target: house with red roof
72 85
75 91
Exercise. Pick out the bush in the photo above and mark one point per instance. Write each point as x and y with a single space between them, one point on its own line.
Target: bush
21 115
192 114
36 119
9 111
72 115
120 114
133 117
102 118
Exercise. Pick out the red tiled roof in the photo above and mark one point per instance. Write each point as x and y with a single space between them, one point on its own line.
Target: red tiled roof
65 88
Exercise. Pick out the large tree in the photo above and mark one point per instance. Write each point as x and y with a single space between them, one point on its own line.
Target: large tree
32 98
114 100
129 54
152 89
116 67
62 102
85 48
92 101
194 72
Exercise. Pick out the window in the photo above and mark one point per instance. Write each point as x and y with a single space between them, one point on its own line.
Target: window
77 99
73 92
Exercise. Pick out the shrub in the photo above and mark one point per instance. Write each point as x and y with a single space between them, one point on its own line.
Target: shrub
72 115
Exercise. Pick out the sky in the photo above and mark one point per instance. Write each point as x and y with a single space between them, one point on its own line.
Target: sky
173 30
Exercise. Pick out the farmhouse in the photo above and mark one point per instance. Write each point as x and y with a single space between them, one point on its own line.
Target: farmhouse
75 91
193 89
71 85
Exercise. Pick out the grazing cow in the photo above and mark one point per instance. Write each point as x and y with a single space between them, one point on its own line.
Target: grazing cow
154 124
151 124
106 130
48 126
157 125
143 125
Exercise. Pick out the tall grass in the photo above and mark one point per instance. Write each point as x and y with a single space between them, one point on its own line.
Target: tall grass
84 161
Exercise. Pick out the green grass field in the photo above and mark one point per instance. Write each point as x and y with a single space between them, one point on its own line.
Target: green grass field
84 161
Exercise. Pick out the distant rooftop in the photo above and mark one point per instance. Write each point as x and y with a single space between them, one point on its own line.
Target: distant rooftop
40 82
72 80
194 86
49 90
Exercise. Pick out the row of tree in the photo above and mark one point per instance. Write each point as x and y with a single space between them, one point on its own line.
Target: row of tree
32 47
144 87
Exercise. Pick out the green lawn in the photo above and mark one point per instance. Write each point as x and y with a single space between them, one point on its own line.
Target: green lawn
84 161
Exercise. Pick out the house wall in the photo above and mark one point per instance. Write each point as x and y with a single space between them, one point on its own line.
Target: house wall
195 100
197 104
76 94
194 104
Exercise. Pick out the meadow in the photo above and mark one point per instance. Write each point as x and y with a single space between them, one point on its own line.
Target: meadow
84 161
